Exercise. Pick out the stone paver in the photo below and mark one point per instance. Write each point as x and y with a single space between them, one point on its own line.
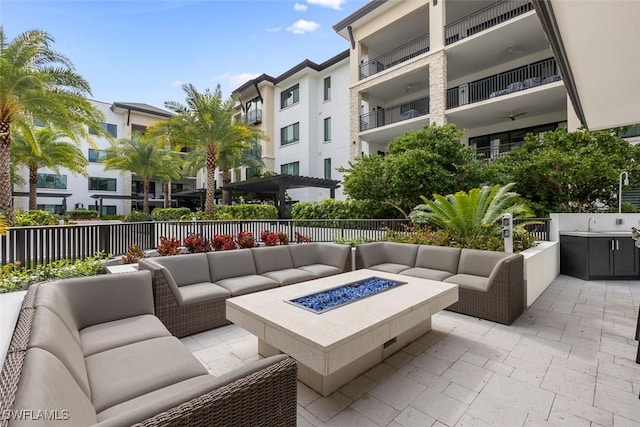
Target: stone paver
569 360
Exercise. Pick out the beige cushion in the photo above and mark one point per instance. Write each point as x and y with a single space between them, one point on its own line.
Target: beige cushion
126 372
45 383
199 292
390 267
427 273
247 284
226 264
305 254
440 258
479 263
106 336
54 299
49 333
186 269
378 253
320 253
321 270
289 276
272 259
468 281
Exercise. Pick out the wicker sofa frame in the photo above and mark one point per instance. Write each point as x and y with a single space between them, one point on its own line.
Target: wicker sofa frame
265 397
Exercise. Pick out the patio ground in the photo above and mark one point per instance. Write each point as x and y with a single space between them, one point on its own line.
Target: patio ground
568 361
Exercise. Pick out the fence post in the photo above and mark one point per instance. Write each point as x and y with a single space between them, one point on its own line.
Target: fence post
21 241
104 238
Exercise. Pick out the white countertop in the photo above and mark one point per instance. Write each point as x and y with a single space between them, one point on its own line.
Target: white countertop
596 233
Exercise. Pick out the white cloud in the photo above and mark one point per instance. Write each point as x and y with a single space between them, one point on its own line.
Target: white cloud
298 7
236 80
331 4
177 83
302 26
274 30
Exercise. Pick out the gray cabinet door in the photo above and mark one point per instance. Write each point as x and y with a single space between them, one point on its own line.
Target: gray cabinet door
600 257
626 258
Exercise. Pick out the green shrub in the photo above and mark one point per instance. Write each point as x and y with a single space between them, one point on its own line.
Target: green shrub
13 278
171 214
35 217
113 217
137 216
342 209
353 241
246 211
82 214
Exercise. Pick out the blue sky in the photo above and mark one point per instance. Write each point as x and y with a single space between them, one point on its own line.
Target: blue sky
144 50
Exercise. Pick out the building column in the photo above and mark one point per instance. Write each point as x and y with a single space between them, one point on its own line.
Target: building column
573 122
355 142
438 88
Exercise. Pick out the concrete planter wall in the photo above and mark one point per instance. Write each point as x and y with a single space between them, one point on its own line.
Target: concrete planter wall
541 267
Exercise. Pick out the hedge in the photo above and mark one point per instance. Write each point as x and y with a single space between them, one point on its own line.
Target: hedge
343 209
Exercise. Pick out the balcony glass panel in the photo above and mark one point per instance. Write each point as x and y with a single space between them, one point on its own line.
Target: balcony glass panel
384 116
396 56
485 18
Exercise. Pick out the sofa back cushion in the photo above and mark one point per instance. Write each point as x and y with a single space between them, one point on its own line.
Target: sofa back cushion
49 333
400 253
46 384
186 269
53 298
441 258
478 262
227 264
272 259
305 254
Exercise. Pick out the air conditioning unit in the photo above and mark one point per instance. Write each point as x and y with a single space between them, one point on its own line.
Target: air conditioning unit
463 94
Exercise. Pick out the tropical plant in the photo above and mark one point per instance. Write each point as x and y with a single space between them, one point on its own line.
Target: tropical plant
168 246
35 217
283 237
222 242
245 239
146 156
269 238
196 244
236 155
301 238
132 255
45 148
471 216
38 82
4 224
205 124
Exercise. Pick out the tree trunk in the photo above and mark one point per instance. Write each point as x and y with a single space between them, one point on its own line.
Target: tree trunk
226 178
167 196
33 187
6 198
145 197
211 180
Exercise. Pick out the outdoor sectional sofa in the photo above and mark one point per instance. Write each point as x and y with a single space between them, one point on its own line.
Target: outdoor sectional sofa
190 291
89 351
491 284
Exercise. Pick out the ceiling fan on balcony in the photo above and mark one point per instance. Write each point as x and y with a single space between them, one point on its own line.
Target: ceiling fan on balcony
412 86
513 115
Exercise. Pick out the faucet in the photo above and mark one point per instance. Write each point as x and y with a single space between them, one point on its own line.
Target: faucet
589 223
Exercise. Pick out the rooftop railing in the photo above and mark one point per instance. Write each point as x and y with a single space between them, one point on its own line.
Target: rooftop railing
385 116
253 117
517 79
492 153
485 18
396 56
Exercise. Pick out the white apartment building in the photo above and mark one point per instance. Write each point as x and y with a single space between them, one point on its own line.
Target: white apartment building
111 191
305 114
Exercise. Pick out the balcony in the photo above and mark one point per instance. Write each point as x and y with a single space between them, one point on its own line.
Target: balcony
386 116
396 56
492 153
485 18
253 117
517 79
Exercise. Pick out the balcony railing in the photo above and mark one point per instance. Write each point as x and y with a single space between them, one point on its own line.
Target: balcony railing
485 18
397 113
526 77
253 117
492 153
396 56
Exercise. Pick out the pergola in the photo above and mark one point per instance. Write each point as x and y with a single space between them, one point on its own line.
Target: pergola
62 196
100 197
279 184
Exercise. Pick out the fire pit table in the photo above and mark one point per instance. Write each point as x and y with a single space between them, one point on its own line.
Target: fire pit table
333 337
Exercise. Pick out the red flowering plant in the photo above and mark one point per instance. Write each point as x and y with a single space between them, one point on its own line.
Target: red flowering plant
301 238
168 246
269 238
195 243
222 242
245 239
283 237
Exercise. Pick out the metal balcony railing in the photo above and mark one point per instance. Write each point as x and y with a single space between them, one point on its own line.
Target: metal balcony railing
396 56
492 153
385 116
253 117
485 18
525 77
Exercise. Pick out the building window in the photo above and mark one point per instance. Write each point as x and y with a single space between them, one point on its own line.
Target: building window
49 180
290 168
106 209
96 156
327 168
290 134
137 188
327 88
102 184
327 129
254 112
111 128
55 209
290 96
139 128
631 131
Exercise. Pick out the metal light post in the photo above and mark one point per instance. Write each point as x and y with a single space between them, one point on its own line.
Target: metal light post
626 182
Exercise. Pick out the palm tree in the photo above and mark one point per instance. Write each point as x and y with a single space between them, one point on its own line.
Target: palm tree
206 125
235 156
44 148
471 215
38 82
145 156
